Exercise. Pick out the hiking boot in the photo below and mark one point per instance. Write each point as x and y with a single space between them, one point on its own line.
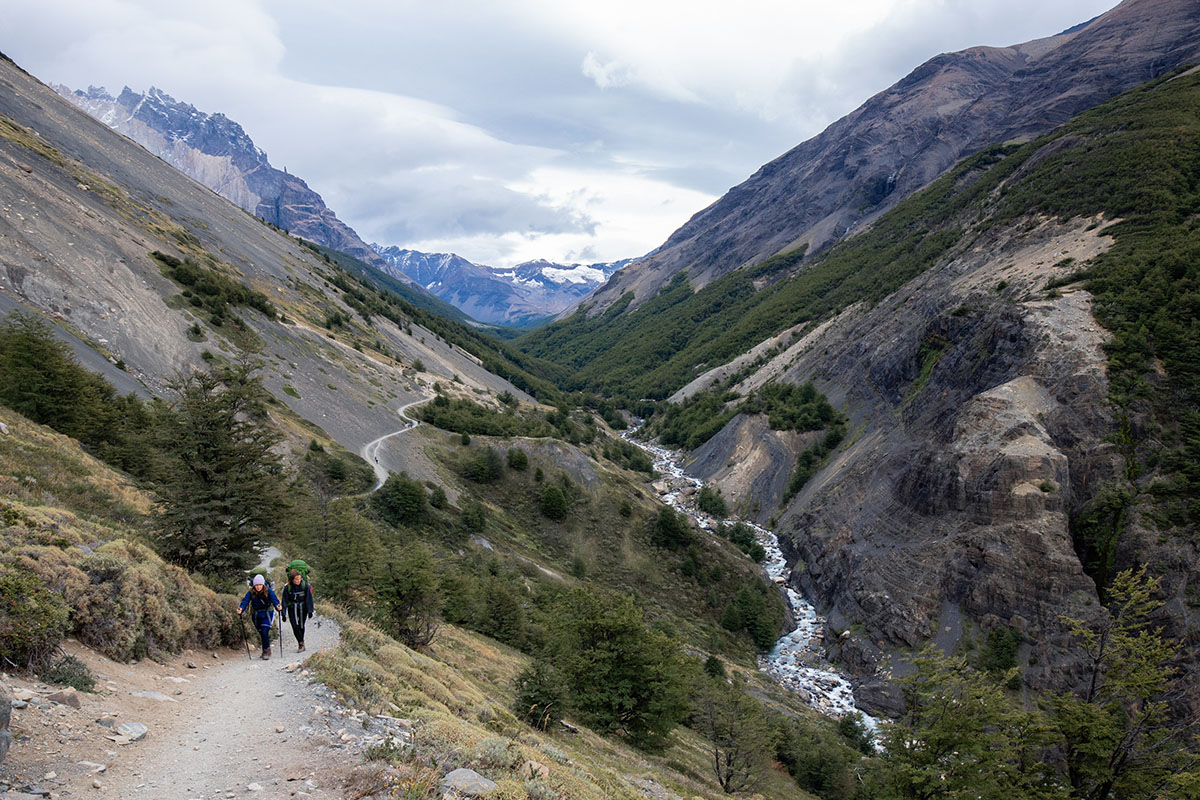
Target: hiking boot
266 654
301 647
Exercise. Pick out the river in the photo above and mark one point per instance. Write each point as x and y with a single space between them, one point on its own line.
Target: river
798 660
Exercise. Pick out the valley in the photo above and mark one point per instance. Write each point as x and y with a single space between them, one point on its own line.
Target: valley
875 479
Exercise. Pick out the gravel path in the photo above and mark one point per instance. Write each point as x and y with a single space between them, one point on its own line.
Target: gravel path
371 450
217 725
243 729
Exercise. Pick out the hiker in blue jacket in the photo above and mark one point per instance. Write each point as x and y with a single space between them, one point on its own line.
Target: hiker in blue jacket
297 605
263 604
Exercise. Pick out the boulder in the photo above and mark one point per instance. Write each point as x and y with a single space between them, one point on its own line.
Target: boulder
67 697
532 769
466 783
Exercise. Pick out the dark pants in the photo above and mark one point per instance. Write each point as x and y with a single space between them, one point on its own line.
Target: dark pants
297 628
263 621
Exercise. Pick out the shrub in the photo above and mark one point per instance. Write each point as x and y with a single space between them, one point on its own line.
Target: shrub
484 467
474 516
517 458
538 790
437 497
493 752
400 500
33 619
711 501
670 530
69 671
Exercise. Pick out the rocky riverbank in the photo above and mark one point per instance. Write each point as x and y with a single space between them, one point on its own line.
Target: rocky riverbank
798 659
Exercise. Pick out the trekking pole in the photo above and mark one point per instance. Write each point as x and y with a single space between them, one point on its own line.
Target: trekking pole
245 641
279 625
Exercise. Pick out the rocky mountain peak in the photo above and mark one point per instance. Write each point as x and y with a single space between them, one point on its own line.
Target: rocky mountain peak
217 152
898 141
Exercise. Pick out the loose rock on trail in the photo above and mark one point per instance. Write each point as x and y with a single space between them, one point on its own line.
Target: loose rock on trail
208 724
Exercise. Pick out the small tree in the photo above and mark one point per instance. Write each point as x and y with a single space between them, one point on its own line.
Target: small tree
349 554
484 467
711 501
410 597
961 736
1120 737
670 530
540 695
553 503
736 727
517 458
223 486
401 500
620 675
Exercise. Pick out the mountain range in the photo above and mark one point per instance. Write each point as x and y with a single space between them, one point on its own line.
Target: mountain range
217 152
523 295
955 326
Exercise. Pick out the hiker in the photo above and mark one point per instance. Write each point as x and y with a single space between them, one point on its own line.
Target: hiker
297 605
263 604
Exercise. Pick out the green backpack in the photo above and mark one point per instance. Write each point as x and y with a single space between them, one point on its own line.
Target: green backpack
299 566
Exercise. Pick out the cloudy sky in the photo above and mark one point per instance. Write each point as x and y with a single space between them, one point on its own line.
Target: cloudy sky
508 130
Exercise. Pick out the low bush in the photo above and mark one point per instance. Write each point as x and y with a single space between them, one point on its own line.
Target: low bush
69 671
33 619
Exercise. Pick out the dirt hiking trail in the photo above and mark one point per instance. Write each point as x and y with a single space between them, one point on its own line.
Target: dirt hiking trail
219 725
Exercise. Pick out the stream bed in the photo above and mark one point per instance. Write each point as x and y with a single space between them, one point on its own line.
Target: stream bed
798 659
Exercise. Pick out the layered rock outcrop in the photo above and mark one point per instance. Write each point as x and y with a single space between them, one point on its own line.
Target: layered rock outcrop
978 420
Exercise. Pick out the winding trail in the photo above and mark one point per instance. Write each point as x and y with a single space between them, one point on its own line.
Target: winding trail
370 450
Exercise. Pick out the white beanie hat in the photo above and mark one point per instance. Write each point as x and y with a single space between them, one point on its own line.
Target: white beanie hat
259 580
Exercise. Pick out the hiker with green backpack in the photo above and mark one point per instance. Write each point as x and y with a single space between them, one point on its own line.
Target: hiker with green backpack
298 600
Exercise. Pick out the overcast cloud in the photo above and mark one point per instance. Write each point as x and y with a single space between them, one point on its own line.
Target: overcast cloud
521 129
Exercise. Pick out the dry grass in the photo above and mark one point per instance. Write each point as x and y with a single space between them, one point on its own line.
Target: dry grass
79 527
458 697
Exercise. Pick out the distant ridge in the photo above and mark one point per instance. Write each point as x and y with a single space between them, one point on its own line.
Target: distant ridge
903 138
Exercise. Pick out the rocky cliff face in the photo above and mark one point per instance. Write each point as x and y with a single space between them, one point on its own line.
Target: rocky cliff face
217 152
978 418
518 296
904 137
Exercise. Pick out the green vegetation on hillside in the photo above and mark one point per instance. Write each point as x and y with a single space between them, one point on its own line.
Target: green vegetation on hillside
1133 160
206 288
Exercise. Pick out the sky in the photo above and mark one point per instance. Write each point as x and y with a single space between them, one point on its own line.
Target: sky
512 130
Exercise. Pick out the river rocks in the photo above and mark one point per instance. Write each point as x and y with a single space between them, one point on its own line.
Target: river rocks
5 716
466 783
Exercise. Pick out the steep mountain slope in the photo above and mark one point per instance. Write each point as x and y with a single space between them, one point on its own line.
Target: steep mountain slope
1006 452
904 137
217 152
82 209
525 294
